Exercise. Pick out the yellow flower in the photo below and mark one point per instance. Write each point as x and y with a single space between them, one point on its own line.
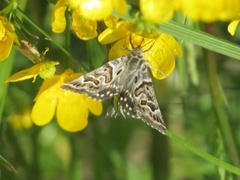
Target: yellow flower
96 10
84 28
22 120
209 11
159 50
7 37
72 109
85 15
157 10
110 34
58 17
44 69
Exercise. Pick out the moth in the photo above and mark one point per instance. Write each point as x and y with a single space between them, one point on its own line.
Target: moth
127 78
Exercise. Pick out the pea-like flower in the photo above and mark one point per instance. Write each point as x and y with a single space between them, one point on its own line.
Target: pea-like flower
85 14
71 109
159 48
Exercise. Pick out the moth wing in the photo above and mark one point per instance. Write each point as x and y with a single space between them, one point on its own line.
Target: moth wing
146 103
140 101
100 83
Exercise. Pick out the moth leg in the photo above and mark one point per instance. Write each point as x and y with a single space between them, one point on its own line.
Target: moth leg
113 110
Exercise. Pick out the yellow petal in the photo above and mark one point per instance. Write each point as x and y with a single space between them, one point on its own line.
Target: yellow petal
48 83
10 31
128 43
111 21
171 43
5 47
72 112
28 73
7 30
58 21
94 106
110 35
162 64
96 9
73 4
2 28
118 49
57 80
84 28
161 56
157 10
120 6
232 27
44 108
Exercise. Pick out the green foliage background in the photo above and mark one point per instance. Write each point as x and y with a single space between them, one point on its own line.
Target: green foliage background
200 102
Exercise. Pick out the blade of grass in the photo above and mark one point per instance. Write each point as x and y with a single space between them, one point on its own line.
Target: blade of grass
201 38
7 164
204 155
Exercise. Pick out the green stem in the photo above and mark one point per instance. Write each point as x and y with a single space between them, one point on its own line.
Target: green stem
95 54
220 109
204 155
11 6
5 69
90 44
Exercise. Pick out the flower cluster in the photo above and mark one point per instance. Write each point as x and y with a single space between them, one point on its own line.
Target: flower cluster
71 108
87 12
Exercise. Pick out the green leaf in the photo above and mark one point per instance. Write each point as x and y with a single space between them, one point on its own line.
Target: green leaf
7 165
204 155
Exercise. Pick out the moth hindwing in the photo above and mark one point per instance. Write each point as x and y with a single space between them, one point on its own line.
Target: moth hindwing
129 79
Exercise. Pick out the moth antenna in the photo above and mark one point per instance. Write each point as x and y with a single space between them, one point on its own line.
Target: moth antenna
167 45
130 40
151 41
154 68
